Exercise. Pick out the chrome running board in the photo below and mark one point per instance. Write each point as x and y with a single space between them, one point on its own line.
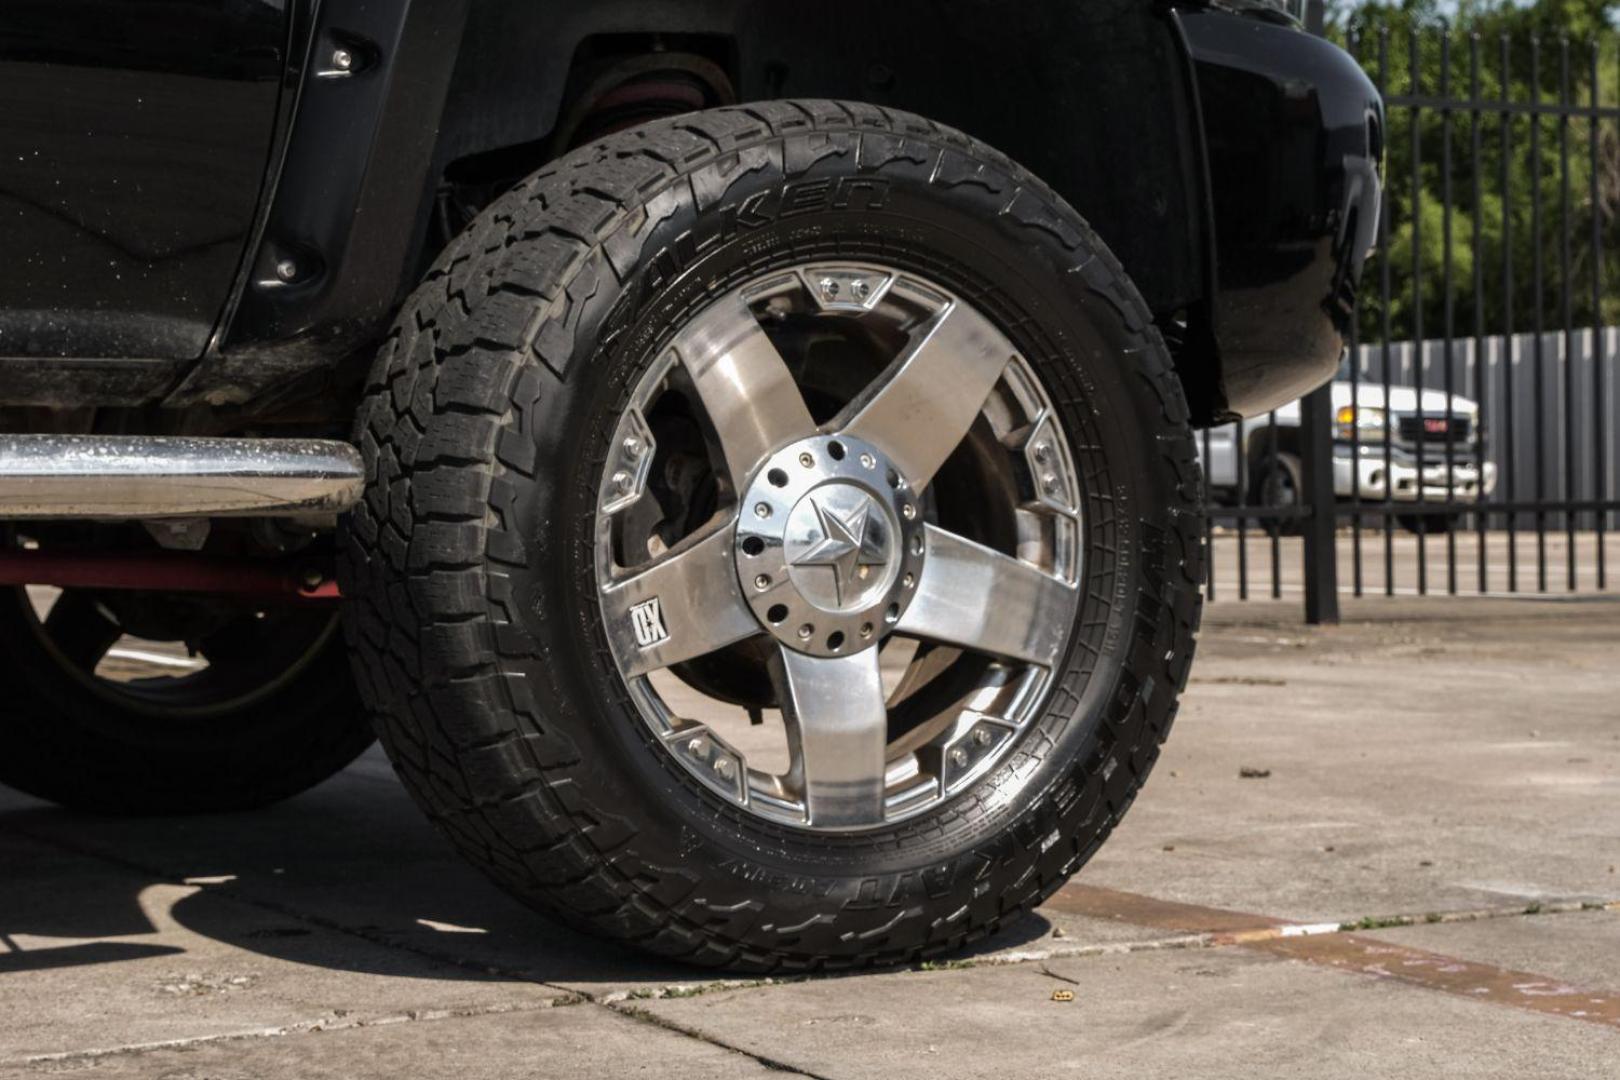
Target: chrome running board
129 477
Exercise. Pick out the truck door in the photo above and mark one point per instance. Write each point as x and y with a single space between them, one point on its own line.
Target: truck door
134 137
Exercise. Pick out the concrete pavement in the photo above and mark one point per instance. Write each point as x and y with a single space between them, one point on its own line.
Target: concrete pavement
1388 848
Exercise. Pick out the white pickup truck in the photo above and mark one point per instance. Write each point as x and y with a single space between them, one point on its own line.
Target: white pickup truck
1365 466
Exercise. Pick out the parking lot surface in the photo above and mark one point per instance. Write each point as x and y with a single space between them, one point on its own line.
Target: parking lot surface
1388 848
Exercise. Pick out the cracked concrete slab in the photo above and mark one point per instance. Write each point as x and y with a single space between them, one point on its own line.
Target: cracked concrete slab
355 854
1425 756
585 1040
93 956
1207 1013
1454 757
1580 948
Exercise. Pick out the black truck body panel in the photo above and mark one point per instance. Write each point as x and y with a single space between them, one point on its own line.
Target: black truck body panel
1293 130
1121 105
135 140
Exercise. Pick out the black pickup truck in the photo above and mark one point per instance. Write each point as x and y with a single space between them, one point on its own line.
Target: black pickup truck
737 456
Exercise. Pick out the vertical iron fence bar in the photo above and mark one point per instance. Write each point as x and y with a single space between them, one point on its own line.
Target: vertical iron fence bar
1481 371
1209 522
1355 405
1448 378
1316 463
1414 49
1316 17
1538 272
1386 295
1355 455
1599 349
1566 304
1278 525
1510 448
1240 458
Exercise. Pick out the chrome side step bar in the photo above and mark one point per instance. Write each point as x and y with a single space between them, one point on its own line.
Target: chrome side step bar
129 477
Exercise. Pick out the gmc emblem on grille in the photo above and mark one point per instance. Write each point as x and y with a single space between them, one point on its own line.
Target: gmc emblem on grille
1434 426
647 619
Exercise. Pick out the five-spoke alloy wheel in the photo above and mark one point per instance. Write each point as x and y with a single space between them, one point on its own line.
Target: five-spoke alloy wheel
781 545
829 542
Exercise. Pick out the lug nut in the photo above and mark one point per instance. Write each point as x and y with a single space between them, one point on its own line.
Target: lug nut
1050 482
866 630
1043 452
829 289
982 737
762 510
868 461
698 745
908 511
805 631
862 289
806 460
762 582
908 581
286 269
623 481
632 446
723 768
959 757
342 59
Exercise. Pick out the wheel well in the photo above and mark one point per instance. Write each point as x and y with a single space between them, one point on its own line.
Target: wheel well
1092 85
614 82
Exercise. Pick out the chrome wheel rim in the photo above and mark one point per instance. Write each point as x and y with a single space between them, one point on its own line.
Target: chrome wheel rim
828 547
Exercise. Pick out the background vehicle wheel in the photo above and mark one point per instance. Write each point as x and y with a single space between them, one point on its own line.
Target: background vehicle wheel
1429 524
781 546
1279 485
261 707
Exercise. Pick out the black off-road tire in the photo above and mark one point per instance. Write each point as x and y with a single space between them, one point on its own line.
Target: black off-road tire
63 740
472 602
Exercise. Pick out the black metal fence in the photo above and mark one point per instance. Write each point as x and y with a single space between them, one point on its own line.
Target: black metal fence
1471 442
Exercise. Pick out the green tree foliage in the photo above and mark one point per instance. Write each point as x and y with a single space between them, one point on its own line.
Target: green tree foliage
1505 51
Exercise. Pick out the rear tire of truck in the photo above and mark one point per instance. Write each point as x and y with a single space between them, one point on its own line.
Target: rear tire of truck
264 709
782 544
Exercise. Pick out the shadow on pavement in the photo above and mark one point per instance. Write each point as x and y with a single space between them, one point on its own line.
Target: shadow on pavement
354 857
64 956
